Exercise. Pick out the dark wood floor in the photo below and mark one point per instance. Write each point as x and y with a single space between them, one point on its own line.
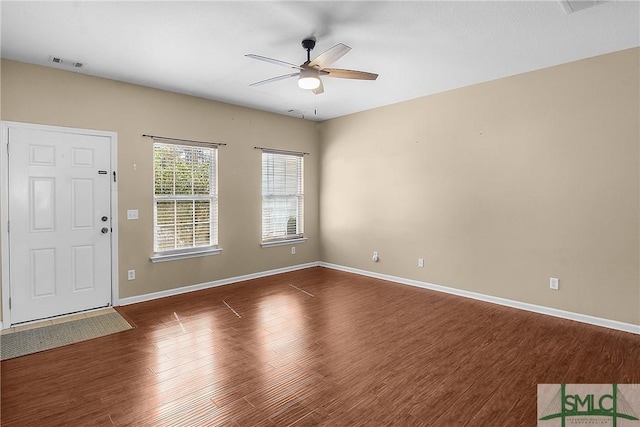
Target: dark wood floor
314 347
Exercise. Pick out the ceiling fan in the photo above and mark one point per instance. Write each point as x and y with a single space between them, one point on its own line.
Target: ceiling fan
310 71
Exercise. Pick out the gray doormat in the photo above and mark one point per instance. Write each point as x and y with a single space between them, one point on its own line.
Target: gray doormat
30 341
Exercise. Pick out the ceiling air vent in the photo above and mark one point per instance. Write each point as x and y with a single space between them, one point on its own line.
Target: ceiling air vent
571 6
66 62
295 112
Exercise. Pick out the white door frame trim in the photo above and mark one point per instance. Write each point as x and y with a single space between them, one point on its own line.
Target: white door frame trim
4 204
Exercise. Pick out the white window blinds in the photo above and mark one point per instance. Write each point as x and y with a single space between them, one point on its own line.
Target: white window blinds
185 198
282 196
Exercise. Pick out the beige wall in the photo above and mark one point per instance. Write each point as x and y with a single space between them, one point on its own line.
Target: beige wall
45 96
498 186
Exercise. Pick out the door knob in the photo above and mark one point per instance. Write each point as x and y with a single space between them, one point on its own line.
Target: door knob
104 230
104 219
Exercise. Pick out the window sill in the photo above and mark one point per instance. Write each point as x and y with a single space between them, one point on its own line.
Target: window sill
283 242
184 255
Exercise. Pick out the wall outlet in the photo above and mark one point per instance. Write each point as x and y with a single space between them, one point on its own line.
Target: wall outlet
131 275
375 257
132 214
554 283
421 262
293 250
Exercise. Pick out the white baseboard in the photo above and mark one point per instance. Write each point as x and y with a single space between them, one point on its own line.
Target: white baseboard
583 318
578 317
215 283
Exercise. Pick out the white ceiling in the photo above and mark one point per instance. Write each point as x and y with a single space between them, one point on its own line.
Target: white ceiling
418 48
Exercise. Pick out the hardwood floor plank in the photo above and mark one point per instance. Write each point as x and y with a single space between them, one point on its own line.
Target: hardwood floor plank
359 352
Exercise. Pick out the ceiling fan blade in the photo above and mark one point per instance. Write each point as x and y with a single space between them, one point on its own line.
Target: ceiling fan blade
350 74
330 56
319 89
275 79
273 61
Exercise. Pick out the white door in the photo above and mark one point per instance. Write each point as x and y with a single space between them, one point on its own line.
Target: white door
59 223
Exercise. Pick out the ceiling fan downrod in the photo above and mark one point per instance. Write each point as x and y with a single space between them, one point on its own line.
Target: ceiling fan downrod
308 45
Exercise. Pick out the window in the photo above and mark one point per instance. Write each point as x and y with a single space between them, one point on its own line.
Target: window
282 198
185 200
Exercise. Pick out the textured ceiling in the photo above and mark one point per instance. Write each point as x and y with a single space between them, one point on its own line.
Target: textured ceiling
418 48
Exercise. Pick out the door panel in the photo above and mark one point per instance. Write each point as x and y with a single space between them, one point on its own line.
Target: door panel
82 266
41 204
43 272
82 216
60 261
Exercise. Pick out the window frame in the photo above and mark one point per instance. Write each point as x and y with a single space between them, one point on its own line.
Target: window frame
298 236
212 197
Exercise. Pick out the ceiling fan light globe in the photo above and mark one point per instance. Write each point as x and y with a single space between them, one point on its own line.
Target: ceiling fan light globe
308 79
308 82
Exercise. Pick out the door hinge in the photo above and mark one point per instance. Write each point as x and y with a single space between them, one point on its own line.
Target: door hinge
9 303
7 148
114 176
8 228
